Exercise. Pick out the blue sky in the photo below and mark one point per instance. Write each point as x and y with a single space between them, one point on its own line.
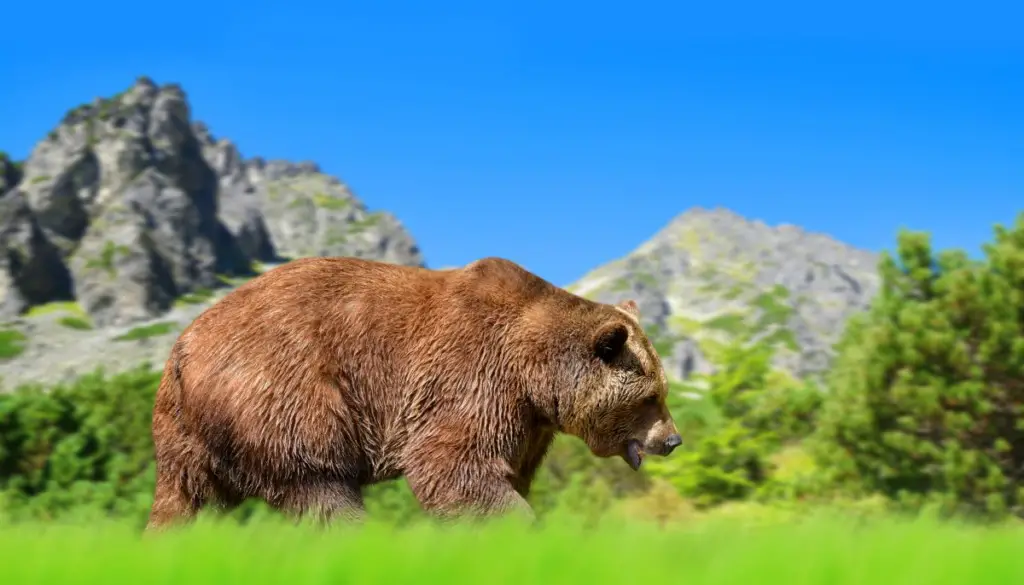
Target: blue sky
563 136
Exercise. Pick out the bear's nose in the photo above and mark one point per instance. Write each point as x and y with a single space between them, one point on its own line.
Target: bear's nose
672 442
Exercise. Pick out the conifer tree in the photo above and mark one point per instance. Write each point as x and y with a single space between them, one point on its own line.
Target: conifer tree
926 395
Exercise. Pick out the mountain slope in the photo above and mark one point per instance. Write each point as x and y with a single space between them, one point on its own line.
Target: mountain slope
709 272
130 218
130 213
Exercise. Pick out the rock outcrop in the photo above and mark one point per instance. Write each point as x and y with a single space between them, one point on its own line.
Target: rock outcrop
709 272
130 218
129 204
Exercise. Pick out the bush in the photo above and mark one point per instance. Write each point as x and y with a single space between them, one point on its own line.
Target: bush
733 430
12 343
928 388
83 448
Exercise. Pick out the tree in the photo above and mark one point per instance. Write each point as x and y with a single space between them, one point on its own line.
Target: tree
926 393
747 414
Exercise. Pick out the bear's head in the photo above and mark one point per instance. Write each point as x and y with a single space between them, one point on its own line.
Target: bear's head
616 400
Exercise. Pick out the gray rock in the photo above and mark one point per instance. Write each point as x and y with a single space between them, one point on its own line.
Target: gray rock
132 208
713 263
31 269
128 174
10 173
687 360
120 274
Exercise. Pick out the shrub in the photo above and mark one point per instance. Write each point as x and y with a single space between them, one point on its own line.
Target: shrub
82 448
12 343
928 388
732 430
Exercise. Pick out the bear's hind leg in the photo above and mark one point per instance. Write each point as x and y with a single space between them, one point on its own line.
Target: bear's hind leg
171 504
183 481
324 502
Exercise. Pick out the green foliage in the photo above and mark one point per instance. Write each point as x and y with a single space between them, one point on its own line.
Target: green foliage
146 331
928 389
56 307
79 449
732 430
730 323
197 297
392 502
571 466
737 420
727 464
107 256
75 322
331 202
368 221
12 343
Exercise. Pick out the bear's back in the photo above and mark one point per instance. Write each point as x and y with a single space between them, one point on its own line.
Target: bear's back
305 309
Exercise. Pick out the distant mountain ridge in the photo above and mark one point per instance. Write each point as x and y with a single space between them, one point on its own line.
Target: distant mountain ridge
130 218
130 211
128 204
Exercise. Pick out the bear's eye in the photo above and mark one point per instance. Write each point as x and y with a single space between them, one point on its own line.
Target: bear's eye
650 401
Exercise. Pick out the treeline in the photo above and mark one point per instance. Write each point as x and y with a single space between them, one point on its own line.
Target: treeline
922 410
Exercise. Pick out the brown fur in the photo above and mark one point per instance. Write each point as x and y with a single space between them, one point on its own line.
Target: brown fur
328 374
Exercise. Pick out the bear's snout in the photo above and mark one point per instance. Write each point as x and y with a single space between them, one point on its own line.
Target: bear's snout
663 446
673 441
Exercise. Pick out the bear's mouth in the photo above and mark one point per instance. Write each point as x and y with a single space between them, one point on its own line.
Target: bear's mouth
634 454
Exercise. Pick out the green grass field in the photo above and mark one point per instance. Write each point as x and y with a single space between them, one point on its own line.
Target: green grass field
814 551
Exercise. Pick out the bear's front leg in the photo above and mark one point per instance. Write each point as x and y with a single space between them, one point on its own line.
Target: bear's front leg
450 488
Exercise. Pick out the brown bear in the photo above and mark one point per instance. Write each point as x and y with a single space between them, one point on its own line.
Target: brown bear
325 375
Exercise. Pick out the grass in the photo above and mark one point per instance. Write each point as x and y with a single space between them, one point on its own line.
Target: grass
147 331
730 323
12 343
75 322
196 297
71 307
818 551
330 202
75 316
107 256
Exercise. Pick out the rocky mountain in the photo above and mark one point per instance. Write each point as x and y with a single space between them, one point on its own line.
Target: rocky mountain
710 274
130 214
130 218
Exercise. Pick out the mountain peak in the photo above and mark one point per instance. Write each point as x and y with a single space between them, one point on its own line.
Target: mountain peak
715 266
128 209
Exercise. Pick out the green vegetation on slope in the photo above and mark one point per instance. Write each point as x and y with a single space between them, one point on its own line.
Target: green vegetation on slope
12 343
146 331
73 322
196 297
70 307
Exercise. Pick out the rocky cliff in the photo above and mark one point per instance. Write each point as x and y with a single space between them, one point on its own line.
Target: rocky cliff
130 213
130 218
711 274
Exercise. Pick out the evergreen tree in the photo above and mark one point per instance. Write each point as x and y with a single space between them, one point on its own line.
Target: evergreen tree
926 394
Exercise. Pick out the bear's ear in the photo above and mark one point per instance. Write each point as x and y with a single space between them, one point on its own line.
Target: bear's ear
630 307
609 341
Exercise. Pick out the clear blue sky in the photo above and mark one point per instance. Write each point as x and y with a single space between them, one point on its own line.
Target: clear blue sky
564 136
